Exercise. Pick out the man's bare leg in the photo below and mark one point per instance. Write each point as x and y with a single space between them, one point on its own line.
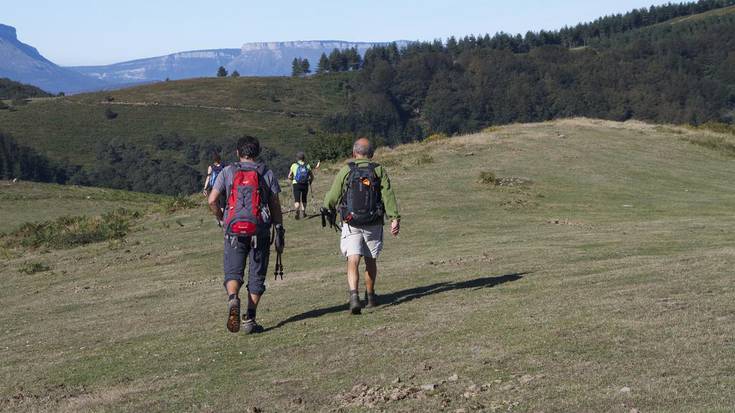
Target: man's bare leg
353 278
371 274
233 306
253 300
233 287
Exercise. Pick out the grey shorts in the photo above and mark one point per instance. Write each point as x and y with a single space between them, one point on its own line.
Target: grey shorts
366 241
238 251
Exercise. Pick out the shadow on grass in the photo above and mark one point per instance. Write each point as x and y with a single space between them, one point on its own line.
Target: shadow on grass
410 294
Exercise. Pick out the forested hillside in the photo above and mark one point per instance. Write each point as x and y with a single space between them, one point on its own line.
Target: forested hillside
15 90
679 71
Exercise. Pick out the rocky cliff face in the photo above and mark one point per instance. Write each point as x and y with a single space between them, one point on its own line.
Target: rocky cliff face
252 59
182 65
23 63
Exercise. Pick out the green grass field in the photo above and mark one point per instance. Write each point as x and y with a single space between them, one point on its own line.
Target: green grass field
598 277
283 112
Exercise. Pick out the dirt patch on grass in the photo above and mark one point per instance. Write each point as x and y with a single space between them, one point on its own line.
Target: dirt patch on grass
363 395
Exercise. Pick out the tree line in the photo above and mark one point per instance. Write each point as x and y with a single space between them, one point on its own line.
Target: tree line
13 90
122 165
22 162
679 73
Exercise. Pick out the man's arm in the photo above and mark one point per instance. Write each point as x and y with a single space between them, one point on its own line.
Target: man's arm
389 202
274 203
335 192
206 179
213 196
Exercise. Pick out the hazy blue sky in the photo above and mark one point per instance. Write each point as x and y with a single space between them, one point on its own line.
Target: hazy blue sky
76 32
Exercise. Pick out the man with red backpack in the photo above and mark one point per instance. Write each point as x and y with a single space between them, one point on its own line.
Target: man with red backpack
252 208
363 193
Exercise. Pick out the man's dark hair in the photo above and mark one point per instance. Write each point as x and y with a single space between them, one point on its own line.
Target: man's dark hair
300 156
248 147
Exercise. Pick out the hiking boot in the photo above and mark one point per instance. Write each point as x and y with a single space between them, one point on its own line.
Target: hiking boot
250 326
233 315
355 305
372 300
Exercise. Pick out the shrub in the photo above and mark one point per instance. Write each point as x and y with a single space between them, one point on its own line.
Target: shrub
718 127
331 147
177 203
424 159
68 232
109 114
716 143
435 137
487 178
33 268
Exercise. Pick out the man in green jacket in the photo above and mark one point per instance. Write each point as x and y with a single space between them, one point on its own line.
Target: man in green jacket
363 239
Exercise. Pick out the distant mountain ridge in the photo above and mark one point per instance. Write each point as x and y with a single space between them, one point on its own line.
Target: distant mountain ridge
23 63
252 59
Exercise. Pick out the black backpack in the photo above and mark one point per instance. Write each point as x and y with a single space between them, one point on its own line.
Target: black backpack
362 203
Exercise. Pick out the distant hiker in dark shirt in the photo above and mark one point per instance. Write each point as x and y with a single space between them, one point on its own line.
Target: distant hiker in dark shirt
363 193
247 230
213 172
301 177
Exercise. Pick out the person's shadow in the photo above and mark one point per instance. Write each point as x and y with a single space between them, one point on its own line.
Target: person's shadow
410 294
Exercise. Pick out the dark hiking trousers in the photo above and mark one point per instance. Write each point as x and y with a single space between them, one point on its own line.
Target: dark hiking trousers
240 250
300 193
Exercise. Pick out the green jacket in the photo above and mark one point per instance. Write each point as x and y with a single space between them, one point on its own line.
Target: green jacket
334 195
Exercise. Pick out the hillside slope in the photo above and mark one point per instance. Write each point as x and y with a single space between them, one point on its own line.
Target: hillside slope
596 277
283 112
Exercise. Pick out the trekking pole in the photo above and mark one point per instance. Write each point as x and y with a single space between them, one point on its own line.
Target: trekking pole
278 238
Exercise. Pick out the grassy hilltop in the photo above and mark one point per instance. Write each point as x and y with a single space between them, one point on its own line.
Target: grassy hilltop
576 265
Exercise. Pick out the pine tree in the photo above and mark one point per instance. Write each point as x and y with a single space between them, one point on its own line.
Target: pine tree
235 73
354 61
305 67
323 66
221 72
296 68
338 61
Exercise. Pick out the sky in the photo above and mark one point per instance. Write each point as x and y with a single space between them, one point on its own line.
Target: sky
91 32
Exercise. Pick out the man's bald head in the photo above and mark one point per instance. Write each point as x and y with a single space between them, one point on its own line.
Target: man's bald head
363 148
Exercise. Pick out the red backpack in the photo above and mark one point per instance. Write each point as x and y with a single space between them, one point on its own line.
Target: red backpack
247 214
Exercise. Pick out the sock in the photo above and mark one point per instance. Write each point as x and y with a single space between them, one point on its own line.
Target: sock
251 314
232 296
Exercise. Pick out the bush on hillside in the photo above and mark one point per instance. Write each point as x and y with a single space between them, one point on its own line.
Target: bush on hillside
30 268
69 232
177 203
487 178
331 147
715 143
109 114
